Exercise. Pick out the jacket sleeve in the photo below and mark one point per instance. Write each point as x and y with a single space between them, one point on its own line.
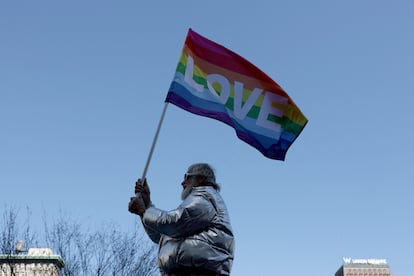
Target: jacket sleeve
194 214
155 236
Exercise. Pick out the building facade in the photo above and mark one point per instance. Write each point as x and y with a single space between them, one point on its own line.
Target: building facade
364 267
37 262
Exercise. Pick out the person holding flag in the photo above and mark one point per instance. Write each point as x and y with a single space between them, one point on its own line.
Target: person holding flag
196 238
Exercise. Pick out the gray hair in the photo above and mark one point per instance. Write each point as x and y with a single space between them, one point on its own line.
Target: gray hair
207 171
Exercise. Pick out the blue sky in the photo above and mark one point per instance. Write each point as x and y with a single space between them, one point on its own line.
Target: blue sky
82 85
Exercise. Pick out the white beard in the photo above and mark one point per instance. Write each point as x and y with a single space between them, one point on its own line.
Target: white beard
189 188
186 191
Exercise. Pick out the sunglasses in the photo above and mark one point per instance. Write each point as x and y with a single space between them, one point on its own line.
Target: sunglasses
188 175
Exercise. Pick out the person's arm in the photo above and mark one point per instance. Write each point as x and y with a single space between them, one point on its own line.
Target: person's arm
137 206
154 235
194 214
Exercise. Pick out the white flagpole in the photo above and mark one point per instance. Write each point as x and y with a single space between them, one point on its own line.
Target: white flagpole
144 174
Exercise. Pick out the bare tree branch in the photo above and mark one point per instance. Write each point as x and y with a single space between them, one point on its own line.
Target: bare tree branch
10 235
103 252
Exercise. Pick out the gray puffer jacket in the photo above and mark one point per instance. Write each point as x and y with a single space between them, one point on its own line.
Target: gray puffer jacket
196 234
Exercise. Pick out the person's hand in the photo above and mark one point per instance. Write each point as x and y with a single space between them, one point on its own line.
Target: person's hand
144 190
137 206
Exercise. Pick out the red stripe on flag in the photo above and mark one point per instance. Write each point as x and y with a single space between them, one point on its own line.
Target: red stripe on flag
223 57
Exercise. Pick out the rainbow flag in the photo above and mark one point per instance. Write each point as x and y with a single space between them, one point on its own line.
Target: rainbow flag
215 82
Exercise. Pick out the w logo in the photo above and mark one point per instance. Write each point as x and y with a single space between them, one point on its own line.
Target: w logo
347 260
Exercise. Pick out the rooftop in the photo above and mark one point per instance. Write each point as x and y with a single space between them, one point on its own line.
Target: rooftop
39 255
